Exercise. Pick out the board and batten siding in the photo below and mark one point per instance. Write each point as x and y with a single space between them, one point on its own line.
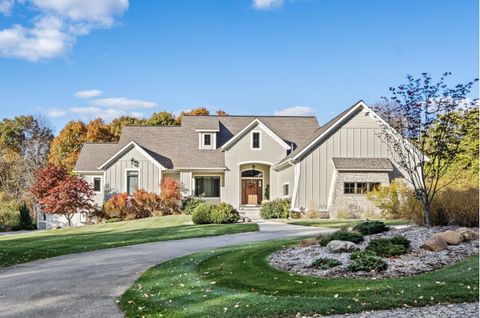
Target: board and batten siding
149 174
356 138
271 152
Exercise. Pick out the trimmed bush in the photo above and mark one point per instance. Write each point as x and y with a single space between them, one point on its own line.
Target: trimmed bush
366 261
224 213
342 236
276 209
326 263
203 213
26 221
371 227
385 247
190 203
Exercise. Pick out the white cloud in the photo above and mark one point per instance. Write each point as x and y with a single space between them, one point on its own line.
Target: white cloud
89 93
123 103
267 4
55 28
88 113
295 111
56 112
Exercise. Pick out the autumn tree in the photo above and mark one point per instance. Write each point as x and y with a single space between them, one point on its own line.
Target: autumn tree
170 196
162 119
200 111
221 113
24 147
61 193
66 147
427 142
117 124
98 131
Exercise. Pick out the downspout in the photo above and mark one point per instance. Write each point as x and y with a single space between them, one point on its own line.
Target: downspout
295 184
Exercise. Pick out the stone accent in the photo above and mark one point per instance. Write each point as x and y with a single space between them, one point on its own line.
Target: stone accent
336 246
354 205
468 235
435 244
451 237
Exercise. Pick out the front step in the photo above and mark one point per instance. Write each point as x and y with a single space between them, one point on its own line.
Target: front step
250 212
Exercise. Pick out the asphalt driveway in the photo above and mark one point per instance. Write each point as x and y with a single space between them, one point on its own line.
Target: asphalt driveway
88 284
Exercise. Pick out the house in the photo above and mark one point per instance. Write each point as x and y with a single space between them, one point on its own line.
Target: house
244 160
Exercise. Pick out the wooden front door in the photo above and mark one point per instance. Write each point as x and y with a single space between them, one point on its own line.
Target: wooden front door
251 191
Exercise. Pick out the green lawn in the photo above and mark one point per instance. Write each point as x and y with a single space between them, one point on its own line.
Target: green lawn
339 223
28 247
238 282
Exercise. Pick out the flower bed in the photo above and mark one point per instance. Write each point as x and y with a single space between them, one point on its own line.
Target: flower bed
299 259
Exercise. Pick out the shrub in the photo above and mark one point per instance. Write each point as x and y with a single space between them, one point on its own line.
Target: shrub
170 196
388 247
389 199
9 218
366 261
203 213
371 227
342 236
276 209
326 263
25 217
224 213
144 204
190 203
117 207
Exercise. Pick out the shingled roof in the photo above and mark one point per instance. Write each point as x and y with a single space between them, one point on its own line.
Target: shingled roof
177 146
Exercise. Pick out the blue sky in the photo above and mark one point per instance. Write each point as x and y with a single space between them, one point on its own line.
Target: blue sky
242 56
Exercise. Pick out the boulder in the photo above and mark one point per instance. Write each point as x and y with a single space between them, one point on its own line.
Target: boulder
468 234
435 244
451 237
336 246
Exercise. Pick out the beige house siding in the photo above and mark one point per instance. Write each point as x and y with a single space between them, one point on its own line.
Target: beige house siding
271 153
287 175
150 174
98 197
356 138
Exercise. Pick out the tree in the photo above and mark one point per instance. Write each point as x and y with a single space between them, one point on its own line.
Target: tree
24 146
117 124
427 142
221 113
66 147
98 131
170 196
60 193
162 119
199 111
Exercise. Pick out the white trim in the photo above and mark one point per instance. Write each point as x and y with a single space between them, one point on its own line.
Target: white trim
203 176
101 183
207 130
197 168
259 132
213 141
127 147
252 178
332 189
89 172
248 127
364 170
125 178
255 162
295 185
283 188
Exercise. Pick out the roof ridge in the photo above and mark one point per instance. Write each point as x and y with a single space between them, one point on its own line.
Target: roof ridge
272 116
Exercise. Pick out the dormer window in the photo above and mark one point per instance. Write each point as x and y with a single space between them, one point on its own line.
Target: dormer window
256 140
207 140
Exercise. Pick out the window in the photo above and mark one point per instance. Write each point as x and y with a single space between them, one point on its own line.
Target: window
252 174
132 182
286 189
208 187
207 140
97 184
349 187
360 187
255 140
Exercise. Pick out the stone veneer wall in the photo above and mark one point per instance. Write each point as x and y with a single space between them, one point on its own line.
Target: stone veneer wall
354 205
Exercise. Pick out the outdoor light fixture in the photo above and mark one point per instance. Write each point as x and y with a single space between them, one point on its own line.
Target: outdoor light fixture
134 162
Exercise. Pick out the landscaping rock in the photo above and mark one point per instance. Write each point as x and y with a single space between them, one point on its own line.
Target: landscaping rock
341 246
435 244
451 237
468 235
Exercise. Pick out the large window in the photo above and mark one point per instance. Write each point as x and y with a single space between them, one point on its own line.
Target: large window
255 140
132 181
97 184
208 187
360 187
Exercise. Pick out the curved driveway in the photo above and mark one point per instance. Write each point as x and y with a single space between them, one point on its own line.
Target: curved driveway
88 284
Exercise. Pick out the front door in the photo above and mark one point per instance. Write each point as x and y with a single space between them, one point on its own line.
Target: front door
251 191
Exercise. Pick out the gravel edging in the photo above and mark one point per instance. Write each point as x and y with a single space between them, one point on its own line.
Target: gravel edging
469 310
297 259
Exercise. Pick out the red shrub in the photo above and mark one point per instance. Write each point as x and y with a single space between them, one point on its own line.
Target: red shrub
170 196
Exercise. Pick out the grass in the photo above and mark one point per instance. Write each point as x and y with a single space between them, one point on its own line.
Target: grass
339 223
238 282
22 248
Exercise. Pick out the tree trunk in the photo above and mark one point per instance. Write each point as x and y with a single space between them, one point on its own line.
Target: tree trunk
69 219
426 207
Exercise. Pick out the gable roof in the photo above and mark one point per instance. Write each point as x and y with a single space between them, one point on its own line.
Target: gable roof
176 147
362 164
256 122
125 149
